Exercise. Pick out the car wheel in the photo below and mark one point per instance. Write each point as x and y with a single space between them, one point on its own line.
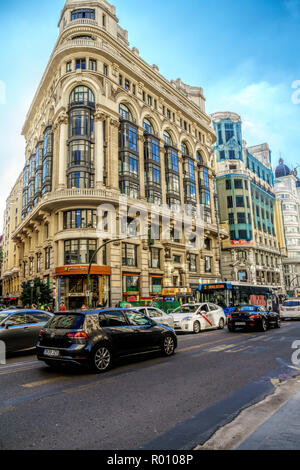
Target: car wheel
196 327
221 323
278 323
101 358
168 347
264 325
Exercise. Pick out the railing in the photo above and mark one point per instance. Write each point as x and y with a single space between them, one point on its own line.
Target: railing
80 21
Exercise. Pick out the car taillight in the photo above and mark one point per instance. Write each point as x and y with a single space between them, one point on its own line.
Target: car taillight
79 334
254 316
281 308
41 333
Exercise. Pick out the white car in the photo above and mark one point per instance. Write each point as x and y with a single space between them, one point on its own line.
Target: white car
290 309
198 317
158 315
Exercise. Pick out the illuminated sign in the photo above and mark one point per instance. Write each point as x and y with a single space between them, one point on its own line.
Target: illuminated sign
213 286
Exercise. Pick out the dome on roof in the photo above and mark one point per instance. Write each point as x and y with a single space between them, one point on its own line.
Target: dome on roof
282 169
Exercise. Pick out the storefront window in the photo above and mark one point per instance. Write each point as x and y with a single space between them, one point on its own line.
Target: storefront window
131 285
155 286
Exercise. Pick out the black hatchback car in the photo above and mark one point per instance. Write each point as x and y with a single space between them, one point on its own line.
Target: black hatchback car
253 317
19 329
95 338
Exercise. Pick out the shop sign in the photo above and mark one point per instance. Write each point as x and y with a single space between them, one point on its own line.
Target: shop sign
176 290
241 242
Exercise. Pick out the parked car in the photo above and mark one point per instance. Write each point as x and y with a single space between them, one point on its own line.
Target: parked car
253 317
95 338
19 329
157 315
290 309
197 317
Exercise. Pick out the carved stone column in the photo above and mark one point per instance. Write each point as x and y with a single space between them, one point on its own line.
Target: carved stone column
63 121
99 148
113 153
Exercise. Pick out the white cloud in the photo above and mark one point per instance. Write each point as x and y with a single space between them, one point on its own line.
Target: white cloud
267 112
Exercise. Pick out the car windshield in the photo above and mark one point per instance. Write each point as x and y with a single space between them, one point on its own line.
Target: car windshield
248 308
3 316
292 303
66 322
187 309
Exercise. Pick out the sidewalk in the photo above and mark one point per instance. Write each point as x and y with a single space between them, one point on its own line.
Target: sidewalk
271 424
280 432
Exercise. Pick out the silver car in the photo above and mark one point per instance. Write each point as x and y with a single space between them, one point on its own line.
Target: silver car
19 329
290 309
158 315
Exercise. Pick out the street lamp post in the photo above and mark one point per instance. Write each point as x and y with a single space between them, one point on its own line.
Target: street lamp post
97 251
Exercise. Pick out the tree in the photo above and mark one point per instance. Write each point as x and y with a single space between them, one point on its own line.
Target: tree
38 294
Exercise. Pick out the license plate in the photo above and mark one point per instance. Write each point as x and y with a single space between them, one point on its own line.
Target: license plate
240 323
51 352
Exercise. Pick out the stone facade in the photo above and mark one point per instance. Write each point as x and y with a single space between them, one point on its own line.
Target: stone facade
103 123
287 190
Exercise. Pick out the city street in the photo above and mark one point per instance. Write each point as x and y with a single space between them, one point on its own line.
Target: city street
146 403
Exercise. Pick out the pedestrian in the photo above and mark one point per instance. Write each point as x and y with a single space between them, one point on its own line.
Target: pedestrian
62 307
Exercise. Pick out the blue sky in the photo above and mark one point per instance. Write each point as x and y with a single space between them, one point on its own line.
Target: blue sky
244 53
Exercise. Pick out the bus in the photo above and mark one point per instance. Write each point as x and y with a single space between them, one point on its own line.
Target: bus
230 295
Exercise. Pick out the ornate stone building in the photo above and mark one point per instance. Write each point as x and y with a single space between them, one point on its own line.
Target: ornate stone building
104 123
287 190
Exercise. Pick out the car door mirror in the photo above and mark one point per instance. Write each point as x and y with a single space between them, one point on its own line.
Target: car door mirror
8 324
203 312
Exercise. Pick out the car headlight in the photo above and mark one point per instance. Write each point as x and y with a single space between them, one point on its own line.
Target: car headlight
187 318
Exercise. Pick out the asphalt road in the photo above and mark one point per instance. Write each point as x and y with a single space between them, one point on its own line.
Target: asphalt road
147 403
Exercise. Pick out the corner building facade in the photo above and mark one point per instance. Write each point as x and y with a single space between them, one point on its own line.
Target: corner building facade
248 207
104 123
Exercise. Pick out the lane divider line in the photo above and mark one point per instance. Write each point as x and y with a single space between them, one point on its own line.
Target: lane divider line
44 382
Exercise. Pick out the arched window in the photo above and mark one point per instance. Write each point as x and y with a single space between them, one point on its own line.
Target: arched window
167 138
82 95
199 158
125 112
83 13
83 36
148 126
184 149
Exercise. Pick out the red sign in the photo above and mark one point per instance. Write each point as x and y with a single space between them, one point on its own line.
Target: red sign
241 242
